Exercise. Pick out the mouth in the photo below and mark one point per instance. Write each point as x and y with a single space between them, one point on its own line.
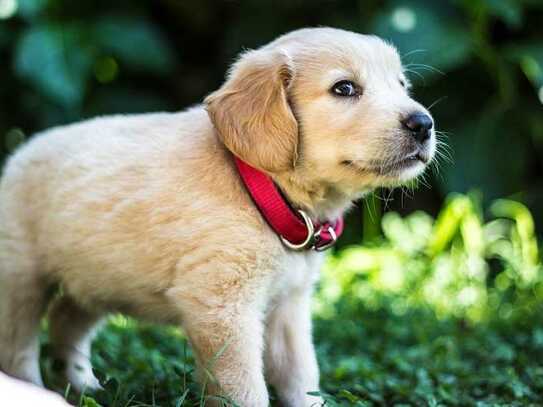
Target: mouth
391 168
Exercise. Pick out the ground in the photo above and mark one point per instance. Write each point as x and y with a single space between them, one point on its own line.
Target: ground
367 357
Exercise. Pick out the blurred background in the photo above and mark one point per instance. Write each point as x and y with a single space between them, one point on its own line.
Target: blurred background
449 271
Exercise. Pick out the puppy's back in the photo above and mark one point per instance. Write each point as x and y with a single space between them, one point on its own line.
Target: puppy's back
117 194
72 158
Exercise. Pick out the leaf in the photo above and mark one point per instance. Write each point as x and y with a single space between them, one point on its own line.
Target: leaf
89 402
510 11
30 9
52 58
136 42
448 223
529 56
429 33
181 399
348 395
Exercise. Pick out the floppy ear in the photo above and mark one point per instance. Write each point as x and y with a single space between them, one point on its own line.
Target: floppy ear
252 114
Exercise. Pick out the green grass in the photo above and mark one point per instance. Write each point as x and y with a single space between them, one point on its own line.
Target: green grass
366 358
445 311
380 358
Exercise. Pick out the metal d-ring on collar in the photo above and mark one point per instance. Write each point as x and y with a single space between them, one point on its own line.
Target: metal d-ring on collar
312 236
332 241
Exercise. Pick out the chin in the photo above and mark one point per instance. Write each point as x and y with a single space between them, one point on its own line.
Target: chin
403 176
411 173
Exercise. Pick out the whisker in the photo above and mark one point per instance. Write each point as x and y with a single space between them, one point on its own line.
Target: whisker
441 138
415 51
437 101
443 151
436 169
386 199
425 66
410 191
418 75
424 182
445 157
442 144
366 202
443 134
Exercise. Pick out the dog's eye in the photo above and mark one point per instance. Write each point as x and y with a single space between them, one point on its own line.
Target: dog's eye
345 88
403 83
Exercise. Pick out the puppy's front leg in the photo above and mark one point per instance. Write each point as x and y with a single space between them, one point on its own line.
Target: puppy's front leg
291 364
228 342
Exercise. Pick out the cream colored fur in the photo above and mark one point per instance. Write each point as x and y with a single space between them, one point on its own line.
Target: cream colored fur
146 214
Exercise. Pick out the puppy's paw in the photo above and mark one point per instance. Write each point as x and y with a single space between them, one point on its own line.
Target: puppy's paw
77 371
82 379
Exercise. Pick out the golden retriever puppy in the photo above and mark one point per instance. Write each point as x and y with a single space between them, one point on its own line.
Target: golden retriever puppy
147 214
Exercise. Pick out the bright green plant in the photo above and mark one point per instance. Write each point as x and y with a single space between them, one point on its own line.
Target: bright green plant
458 264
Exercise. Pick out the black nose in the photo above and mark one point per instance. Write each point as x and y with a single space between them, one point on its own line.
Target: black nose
419 124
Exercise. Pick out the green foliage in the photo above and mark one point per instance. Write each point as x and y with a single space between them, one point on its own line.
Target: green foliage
119 35
459 265
414 358
443 311
435 29
51 58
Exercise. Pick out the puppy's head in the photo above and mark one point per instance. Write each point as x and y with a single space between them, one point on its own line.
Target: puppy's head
330 106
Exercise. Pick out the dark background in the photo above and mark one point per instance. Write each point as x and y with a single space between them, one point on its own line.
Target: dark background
479 63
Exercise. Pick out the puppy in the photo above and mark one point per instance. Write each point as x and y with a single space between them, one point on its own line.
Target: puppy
147 214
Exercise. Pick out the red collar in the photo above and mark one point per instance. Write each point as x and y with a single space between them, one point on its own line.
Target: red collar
296 230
